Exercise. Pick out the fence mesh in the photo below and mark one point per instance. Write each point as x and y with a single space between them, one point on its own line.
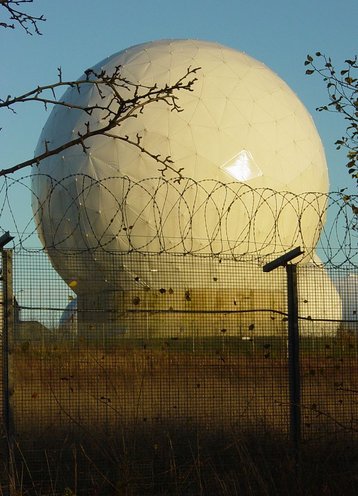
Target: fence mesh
150 350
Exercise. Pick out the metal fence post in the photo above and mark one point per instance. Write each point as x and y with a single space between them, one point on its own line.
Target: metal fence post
294 358
293 345
7 379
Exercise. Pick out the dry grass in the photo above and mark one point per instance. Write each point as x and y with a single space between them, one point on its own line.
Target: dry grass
222 390
178 461
130 420
111 388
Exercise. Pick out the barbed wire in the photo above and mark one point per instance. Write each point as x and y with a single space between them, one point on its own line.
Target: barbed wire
84 213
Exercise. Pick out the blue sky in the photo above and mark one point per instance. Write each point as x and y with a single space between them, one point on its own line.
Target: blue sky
79 33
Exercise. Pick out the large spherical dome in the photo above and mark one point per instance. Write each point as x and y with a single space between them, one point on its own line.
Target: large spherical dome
241 125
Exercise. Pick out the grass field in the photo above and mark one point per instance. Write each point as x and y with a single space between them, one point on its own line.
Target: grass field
182 417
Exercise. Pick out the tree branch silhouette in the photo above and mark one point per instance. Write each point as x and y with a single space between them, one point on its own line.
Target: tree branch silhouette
16 16
115 109
342 91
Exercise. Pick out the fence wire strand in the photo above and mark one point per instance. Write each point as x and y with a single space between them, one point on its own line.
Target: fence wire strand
85 213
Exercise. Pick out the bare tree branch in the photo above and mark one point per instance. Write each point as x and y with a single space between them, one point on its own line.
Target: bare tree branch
116 109
14 9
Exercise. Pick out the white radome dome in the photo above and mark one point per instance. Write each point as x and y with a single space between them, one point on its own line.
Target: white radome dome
240 124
